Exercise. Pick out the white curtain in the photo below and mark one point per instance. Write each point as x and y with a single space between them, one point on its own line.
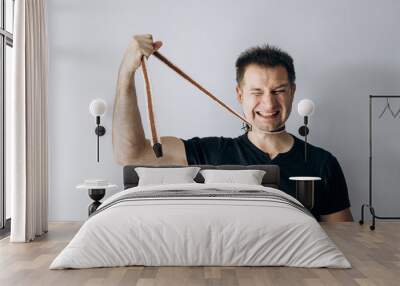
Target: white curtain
26 129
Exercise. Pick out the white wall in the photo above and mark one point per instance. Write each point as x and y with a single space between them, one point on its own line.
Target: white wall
343 51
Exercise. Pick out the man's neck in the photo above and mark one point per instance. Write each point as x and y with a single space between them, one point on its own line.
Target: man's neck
272 144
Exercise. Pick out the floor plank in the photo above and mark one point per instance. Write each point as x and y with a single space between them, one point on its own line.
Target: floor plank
374 255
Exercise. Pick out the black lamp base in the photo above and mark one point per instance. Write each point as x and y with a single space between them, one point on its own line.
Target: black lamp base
100 130
303 130
96 195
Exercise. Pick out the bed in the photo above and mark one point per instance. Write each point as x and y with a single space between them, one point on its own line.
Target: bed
201 224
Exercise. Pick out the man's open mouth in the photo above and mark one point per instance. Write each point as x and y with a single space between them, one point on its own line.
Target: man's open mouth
267 115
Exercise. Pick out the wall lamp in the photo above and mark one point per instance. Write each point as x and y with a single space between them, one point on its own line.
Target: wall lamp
97 108
305 108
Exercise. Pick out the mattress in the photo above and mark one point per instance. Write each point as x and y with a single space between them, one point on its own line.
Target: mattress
201 225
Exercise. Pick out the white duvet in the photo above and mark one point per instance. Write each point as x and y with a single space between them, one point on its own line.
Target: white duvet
200 231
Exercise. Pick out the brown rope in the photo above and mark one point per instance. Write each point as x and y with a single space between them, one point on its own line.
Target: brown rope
196 84
150 110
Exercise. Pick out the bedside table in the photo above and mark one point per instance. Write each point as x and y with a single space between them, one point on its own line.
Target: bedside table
305 190
96 193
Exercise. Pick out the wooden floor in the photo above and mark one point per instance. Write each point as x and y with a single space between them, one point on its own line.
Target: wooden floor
375 256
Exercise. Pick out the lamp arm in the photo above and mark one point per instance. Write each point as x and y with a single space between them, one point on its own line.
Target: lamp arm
98 136
305 141
305 149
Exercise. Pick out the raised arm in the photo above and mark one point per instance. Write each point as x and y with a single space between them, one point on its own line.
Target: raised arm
129 143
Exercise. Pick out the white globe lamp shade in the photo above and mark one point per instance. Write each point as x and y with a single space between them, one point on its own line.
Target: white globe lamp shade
98 107
305 107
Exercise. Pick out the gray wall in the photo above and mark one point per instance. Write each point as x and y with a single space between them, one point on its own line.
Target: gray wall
343 51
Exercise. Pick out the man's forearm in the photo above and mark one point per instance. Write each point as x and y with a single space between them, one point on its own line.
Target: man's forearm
128 134
340 216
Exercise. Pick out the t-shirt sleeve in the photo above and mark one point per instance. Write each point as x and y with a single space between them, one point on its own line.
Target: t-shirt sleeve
335 195
203 151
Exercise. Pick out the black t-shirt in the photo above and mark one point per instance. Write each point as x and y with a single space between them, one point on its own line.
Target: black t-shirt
330 193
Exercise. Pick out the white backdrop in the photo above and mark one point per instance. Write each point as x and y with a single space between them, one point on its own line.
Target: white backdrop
343 51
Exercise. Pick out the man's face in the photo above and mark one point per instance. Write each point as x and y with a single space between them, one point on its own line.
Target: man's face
266 96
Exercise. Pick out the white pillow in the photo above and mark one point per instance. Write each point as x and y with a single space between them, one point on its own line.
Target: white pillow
249 177
163 176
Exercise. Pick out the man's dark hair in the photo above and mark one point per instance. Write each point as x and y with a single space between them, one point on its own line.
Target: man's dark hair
265 56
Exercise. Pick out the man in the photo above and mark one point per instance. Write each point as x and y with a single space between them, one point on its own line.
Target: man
265 89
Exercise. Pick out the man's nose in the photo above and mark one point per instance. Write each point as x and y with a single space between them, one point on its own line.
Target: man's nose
268 99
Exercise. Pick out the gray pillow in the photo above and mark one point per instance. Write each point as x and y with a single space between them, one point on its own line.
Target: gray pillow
164 176
248 177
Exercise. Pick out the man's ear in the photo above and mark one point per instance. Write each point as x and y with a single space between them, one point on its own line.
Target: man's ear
293 87
239 94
